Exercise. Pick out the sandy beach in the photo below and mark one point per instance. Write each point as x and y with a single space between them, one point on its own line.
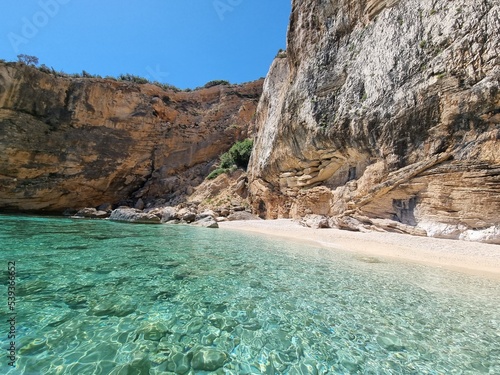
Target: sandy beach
468 257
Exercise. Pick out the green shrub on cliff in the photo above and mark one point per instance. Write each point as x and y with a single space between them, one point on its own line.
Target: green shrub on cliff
166 86
281 54
216 82
240 153
238 156
132 78
216 173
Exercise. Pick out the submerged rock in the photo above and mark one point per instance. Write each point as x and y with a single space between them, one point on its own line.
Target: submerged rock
132 215
179 363
208 359
153 331
113 308
390 342
136 367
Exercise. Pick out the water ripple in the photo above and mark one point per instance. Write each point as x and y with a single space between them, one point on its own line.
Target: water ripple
96 297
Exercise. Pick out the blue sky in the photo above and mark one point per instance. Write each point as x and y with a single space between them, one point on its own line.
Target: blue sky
182 42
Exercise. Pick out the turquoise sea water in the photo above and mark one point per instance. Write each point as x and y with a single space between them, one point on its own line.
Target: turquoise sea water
97 297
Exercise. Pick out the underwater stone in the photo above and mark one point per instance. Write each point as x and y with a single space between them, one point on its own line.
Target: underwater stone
252 325
34 347
208 359
110 309
303 369
222 322
164 295
75 302
32 287
279 361
195 326
179 363
154 331
350 362
390 342
137 367
208 339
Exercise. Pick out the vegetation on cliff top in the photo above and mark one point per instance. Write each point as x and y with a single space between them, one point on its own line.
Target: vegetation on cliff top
281 54
217 82
33 61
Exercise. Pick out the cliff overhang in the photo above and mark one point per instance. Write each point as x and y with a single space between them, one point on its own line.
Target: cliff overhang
384 115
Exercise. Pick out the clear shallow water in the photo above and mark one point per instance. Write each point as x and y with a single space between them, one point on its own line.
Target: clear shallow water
96 297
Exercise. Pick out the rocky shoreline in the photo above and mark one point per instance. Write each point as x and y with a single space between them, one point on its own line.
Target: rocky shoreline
197 214
189 213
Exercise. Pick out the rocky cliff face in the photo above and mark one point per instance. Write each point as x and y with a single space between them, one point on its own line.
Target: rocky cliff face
82 142
385 113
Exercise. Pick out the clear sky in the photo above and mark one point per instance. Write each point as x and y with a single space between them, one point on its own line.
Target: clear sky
182 42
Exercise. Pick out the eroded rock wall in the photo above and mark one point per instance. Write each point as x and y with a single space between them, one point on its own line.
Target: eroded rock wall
79 142
385 110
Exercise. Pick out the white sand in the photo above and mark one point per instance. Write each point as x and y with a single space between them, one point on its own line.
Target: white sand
470 257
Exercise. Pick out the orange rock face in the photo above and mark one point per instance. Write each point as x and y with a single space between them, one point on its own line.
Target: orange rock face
77 142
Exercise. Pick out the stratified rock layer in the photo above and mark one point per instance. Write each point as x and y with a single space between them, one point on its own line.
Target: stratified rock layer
80 142
385 110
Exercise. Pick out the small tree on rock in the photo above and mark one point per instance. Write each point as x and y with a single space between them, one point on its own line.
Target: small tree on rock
27 59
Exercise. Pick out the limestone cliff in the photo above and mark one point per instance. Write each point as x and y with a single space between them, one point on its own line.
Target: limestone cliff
384 113
78 142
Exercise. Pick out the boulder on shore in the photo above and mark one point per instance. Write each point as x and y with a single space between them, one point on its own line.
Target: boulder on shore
315 221
108 207
133 215
90 213
242 215
169 214
206 222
